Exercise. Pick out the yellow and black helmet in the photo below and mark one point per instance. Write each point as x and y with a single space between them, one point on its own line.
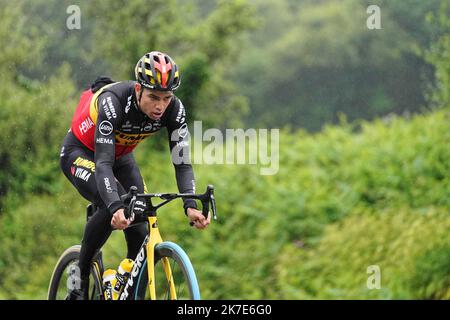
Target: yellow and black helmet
157 71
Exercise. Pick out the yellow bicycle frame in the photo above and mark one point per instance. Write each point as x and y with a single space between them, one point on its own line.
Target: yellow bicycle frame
154 239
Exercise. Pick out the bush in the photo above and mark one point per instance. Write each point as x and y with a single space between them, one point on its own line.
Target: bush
34 122
343 200
409 246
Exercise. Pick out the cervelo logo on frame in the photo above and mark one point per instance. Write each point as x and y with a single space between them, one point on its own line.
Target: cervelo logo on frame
105 128
134 273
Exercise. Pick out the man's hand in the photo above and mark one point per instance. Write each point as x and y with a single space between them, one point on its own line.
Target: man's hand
197 217
118 220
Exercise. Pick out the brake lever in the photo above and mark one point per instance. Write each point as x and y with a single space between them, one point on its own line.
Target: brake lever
131 215
131 195
206 203
213 207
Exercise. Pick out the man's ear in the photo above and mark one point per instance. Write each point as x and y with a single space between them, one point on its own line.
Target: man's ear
138 87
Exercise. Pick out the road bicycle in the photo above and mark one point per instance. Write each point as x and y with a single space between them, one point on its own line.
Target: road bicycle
161 270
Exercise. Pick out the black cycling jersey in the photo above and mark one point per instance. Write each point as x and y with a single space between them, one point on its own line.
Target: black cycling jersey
109 122
97 158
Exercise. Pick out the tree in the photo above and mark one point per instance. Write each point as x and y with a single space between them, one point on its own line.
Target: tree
34 114
319 60
203 48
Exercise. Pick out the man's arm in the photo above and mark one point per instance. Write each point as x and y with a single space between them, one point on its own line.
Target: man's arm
108 119
179 147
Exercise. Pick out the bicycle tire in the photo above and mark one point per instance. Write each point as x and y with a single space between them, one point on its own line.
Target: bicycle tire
173 251
71 255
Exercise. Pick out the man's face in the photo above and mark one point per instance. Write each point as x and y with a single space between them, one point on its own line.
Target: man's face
153 103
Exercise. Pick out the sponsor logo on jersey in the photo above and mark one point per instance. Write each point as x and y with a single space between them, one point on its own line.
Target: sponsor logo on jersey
108 185
109 109
105 128
127 127
148 127
127 107
104 141
81 162
82 174
183 130
127 139
181 116
157 125
86 125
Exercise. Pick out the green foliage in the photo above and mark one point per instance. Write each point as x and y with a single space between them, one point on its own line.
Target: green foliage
439 56
314 60
409 246
342 200
34 114
34 233
203 42
33 124
30 165
351 196
392 166
14 29
133 24
202 47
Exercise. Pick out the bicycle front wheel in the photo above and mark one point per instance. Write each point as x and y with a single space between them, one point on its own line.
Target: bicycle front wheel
182 275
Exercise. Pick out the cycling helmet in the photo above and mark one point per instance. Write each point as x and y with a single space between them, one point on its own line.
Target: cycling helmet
157 71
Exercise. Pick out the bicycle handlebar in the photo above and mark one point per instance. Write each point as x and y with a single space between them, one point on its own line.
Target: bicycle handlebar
207 199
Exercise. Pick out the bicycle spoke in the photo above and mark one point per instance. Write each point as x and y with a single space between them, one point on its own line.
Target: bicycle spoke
168 281
173 273
178 281
166 288
173 276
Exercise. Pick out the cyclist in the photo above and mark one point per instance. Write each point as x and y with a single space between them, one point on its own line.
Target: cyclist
109 122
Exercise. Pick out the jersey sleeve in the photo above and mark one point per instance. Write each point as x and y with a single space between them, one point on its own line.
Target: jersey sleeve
178 135
109 117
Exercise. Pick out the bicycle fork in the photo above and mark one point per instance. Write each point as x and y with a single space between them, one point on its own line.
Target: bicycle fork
155 238
148 251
